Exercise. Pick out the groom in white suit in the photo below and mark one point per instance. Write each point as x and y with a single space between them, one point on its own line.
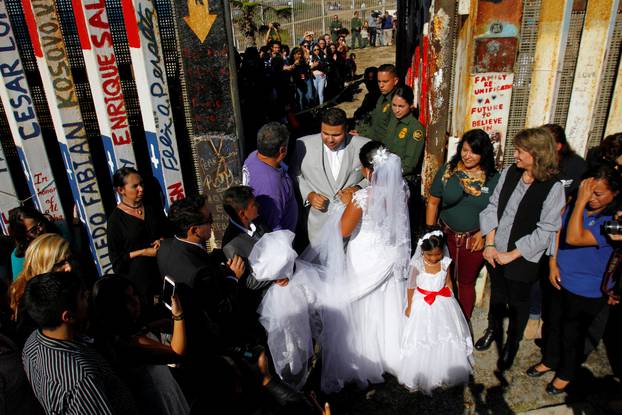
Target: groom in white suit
327 167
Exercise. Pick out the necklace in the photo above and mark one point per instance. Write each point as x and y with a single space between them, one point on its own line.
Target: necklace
138 208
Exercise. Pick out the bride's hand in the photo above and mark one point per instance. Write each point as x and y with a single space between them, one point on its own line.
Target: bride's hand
345 195
282 282
407 311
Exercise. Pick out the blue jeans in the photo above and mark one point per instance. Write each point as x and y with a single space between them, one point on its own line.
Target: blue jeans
305 93
319 82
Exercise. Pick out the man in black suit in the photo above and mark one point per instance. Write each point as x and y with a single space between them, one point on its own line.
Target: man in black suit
207 288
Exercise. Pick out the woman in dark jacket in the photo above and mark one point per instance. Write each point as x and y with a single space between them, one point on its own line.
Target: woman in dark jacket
302 78
520 224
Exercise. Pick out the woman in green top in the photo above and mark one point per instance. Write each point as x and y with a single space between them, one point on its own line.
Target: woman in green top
459 192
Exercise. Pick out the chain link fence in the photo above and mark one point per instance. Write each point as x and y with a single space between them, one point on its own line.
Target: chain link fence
302 16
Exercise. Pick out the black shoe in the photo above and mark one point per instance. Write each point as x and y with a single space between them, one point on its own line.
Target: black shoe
553 391
507 356
532 372
485 341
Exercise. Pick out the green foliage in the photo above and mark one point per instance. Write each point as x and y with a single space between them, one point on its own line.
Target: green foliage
249 13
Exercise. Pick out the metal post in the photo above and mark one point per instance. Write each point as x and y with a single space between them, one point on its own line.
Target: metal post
293 40
210 100
323 17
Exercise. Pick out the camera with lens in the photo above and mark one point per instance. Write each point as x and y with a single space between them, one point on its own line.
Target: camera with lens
248 352
612 227
276 25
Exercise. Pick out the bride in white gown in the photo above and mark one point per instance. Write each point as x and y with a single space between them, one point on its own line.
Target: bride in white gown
357 294
364 295
377 256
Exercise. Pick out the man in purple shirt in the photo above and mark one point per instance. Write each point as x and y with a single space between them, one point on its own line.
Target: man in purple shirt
265 172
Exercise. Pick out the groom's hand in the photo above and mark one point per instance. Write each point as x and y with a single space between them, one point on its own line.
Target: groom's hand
317 201
282 282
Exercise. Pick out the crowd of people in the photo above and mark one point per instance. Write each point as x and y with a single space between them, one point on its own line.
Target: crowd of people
290 83
335 252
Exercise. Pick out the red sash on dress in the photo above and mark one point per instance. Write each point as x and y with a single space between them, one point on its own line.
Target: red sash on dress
430 296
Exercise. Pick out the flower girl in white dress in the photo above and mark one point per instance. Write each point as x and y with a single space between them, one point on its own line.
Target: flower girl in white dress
436 347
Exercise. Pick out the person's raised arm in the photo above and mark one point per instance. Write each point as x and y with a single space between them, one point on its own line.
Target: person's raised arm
576 234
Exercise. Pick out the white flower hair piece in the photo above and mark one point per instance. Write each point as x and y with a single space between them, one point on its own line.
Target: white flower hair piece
428 235
380 157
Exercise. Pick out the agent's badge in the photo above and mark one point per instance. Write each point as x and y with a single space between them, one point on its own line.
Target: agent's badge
402 134
386 107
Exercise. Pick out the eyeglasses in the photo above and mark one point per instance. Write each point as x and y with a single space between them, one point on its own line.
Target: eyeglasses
34 229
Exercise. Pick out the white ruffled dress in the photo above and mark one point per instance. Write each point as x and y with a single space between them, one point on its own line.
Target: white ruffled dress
436 347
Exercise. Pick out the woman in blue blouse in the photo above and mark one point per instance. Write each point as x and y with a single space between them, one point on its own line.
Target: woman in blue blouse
576 274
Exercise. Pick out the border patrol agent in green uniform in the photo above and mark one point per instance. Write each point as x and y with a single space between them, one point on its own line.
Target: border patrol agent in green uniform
405 135
381 115
406 138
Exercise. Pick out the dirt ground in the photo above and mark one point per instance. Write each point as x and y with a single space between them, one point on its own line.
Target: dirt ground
367 57
488 392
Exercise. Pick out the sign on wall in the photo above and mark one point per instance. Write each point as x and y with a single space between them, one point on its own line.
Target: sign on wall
489 107
54 68
24 124
8 196
103 74
153 94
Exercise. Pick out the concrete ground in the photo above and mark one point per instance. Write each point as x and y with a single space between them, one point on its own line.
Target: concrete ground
488 392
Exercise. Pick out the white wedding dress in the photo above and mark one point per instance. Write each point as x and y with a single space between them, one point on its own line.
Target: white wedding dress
350 301
377 295
436 344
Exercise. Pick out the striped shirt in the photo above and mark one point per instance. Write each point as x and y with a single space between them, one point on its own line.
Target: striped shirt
69 377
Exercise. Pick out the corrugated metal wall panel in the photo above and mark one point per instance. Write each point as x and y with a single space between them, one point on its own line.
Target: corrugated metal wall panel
522 75
603 102
568 68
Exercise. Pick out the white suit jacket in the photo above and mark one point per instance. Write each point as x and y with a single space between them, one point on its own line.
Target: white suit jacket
313 173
